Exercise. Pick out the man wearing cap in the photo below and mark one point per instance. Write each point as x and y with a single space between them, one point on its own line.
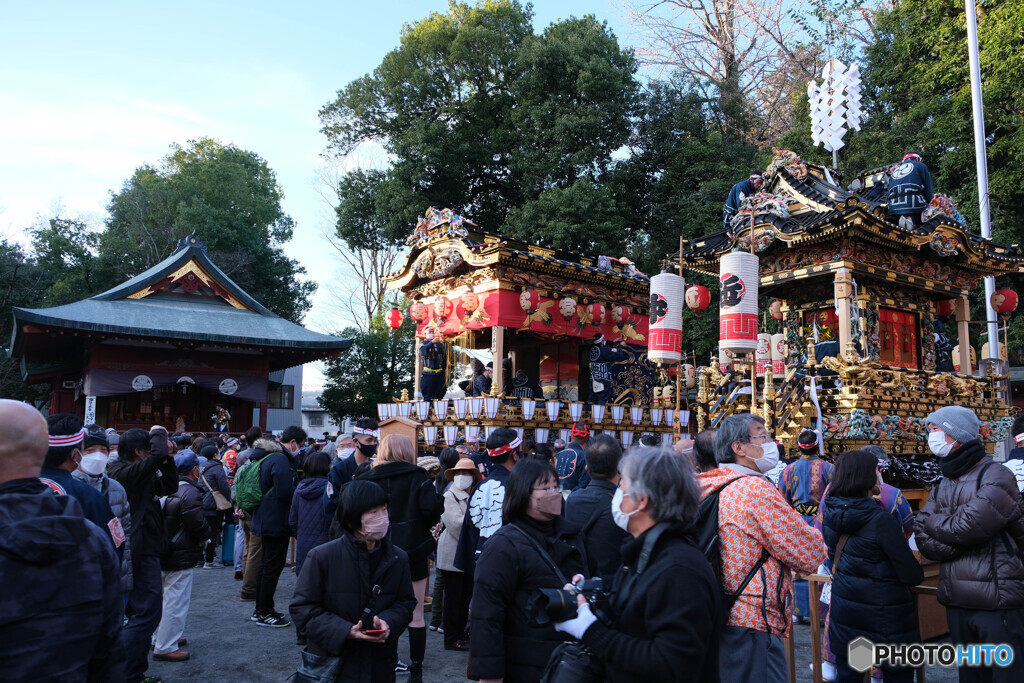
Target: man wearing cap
973 525
910 190
187 531
738 193
482 383
365 434
432 384
572 463
61 607
62 458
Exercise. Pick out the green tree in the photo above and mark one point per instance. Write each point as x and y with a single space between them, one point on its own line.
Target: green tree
232 199
23 283
66 250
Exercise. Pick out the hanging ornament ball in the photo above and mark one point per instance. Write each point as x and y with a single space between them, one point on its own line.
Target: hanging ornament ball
775 309
418 311
470 302
596 312
620 314
394 318
944 308
1004 301
567 307
698 298
529 300
443 308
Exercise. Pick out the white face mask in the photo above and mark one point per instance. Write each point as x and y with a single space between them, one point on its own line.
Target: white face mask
94 464
462 481
770 458
938 445
621 518
345 452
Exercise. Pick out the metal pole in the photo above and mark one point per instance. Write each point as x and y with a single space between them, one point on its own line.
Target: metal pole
980 159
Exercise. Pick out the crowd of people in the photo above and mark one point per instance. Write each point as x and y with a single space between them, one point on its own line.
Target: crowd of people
659 564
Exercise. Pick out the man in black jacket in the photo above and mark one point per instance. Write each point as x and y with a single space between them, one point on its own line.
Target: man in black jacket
212 477
147 473
590 509
61 608
187 531
270 520
572 461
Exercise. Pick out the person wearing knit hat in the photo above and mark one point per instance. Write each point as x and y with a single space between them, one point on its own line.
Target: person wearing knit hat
973 525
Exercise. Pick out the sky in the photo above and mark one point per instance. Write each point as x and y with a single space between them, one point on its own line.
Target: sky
91 91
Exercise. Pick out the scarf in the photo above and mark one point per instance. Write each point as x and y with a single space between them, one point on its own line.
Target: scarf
962 459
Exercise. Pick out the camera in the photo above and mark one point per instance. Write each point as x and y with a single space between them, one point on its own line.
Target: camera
551 605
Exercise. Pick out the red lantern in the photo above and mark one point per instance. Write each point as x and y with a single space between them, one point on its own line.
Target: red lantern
443 308
775 309
418 311
1004 301
567 307
620 314
596 312
944 308
698 298
470 302
529 300
394 318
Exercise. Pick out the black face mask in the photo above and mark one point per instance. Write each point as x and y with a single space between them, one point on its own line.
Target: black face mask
369 450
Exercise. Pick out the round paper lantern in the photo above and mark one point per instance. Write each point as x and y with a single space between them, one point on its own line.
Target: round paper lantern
689 376
763 353
1004 301
665 339
775 309
956 359
394 318
443 308
943 308
567 307
698 298
418 311
470 302
738 278
985 351
529 300
779 353
596 312
620 314
725 359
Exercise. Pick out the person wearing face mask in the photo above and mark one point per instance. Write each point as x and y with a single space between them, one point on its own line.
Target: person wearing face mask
65 456
432 356
756 526
458 584
270 519
415 507
973 525
364 449
873 567
592 509
534 549
93 471
376 586
665 608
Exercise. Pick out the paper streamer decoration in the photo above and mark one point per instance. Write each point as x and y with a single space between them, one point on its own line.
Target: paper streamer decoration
422 409
429 436
665 338
529 407
778 354
763 354
835 104
738 280
597 411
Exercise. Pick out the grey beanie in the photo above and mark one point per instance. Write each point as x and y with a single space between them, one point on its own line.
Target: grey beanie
880 455
956 421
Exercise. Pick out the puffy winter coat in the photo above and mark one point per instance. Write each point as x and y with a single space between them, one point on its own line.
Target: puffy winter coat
456 501
505 641
186 527
306 518
604 537
277 479
871 594
146 480
413 505
973 526
118 499
325 608
213 473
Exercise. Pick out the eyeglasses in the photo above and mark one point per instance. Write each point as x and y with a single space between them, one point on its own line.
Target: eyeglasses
550 489
763 438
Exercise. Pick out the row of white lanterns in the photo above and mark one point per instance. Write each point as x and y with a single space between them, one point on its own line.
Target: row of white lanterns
451 434
471 408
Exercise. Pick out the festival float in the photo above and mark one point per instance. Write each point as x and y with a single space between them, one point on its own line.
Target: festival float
535 315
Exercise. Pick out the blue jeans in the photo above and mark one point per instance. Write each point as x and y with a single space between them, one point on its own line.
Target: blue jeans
145 606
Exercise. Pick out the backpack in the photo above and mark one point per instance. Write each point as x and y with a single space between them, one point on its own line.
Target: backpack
709 543
248 492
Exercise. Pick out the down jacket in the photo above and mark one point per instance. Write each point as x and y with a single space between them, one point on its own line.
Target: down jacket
118 499
214 474
277 480
413 505
307 520
972 525
183 512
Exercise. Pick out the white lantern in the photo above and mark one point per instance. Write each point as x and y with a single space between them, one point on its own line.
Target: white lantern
666 439
665 336
382 411
391 409
519 433
476 406
461 406
552 408
689 376
491 405
529 406
451 434
472 432
441 408
489 429
779 354
422 409
617 413
575 411
656 414
597 412
564 435
626 438
763 354
636 414
738 280
404 409
429 435
684 418
542 434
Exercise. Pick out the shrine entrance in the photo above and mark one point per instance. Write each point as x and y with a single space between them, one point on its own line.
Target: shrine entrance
897 338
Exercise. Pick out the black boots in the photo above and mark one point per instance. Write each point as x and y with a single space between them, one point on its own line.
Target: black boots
416 672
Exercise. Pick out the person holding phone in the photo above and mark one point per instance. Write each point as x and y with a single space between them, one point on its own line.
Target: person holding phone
358 619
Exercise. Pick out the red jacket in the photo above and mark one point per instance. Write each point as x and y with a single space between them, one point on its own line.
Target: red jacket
752 515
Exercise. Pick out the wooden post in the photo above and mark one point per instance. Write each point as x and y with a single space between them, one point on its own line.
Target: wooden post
963 317
843 292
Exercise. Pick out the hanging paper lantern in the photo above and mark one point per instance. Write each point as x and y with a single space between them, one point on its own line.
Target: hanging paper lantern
596 312
944 308
737 327
956 359
1004 301
443 308
763 353
394 318
779 352
775 309
689 376
665 341
620 314
698 298
985 353
470 302
529 300
418 311
567 307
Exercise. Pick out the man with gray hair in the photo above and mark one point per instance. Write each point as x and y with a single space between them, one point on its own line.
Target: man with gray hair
757 529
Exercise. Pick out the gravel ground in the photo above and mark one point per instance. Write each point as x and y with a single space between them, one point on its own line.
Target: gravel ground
226 646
